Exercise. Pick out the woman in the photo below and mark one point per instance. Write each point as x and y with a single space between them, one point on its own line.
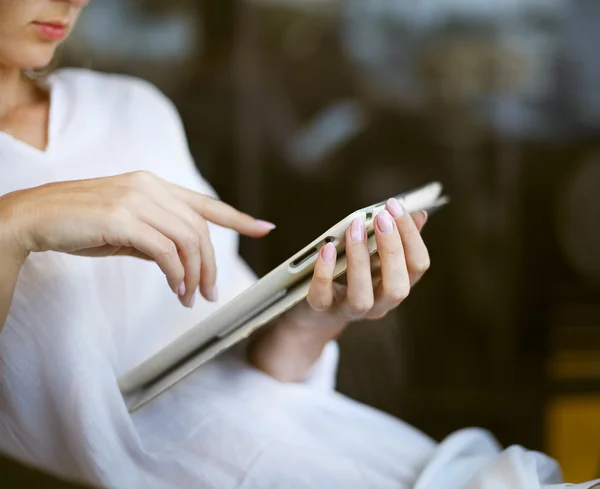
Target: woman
97 166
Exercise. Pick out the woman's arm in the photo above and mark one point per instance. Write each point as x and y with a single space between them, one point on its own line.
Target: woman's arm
136 214
11 260
288 350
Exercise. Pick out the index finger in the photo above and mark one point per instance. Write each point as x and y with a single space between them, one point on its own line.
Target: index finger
218 212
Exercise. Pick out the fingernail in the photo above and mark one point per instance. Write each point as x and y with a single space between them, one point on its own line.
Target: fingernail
385 223
212 294
425 217
357 230
395 208
181 289
192 300
265 225
328 252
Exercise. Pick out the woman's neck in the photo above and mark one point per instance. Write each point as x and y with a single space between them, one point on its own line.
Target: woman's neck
15 90
24 109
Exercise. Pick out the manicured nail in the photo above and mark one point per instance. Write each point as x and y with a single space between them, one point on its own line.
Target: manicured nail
212 294
181 289
265 225
385 223
357 230
192 300
425 217
328 252
395 208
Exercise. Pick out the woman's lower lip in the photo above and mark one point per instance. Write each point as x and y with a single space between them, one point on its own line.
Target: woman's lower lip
51 31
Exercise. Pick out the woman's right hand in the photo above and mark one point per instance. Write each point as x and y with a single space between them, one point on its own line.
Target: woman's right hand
136 214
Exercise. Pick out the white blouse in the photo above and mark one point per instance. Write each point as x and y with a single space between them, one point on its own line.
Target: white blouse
77 323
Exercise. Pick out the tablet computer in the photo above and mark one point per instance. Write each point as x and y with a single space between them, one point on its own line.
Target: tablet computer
268 298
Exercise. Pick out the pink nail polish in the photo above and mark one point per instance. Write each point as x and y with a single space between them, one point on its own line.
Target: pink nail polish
328 252
212 294
395 208
266 225
357 230
181 289
385 223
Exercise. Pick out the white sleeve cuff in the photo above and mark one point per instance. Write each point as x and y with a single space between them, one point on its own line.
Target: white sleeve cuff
322 376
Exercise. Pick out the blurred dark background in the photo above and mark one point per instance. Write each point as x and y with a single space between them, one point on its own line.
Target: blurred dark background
302 111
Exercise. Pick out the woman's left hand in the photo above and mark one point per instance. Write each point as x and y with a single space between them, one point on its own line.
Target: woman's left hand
374 286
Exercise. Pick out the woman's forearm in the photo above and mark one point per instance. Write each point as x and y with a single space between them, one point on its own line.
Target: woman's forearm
288 351
11 261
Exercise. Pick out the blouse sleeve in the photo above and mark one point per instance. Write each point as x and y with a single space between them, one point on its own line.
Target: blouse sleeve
323 375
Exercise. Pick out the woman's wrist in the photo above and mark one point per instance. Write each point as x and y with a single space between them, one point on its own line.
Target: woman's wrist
11 247
306 329
288 350
13 256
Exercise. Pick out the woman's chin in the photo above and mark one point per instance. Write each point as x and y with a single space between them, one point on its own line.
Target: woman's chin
37 67
36 60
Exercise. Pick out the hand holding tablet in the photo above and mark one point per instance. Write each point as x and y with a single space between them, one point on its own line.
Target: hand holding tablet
278 291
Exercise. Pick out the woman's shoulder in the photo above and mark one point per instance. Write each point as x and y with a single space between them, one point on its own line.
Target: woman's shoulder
127 93
131 113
